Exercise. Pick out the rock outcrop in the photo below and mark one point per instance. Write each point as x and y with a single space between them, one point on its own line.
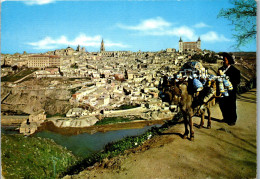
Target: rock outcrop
29 101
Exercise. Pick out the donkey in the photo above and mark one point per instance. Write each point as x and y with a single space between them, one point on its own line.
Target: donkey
191 104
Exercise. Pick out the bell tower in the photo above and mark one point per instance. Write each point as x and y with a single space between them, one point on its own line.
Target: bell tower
102 48
199 44
180 45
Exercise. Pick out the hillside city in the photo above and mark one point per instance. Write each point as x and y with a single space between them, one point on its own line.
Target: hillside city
85 87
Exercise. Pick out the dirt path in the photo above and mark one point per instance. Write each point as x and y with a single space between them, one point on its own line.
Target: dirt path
221 152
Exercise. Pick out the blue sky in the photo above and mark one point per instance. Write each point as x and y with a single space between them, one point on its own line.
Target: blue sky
43 25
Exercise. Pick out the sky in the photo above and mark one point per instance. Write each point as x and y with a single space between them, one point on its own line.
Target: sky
38 26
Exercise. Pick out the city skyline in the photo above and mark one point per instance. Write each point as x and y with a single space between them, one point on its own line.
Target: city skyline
41 26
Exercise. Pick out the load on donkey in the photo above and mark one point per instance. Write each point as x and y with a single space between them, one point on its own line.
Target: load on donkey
194 91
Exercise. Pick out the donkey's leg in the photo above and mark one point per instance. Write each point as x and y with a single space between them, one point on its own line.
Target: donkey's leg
209 116
185 135
191 128
202 112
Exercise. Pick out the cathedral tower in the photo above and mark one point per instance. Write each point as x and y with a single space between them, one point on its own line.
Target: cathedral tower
199 43
180 45
102 48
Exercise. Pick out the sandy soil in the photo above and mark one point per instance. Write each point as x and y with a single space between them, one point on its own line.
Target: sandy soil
220 152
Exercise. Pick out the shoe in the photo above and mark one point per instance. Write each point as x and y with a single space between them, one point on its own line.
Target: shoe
224 121
231 123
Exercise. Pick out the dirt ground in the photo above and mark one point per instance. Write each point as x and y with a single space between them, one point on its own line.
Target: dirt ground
220 152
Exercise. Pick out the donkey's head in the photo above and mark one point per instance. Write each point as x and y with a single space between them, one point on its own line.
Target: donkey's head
179 90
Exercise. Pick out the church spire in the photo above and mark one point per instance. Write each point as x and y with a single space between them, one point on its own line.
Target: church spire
180 40
102 48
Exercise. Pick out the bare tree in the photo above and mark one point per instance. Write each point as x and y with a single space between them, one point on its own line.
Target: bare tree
243 17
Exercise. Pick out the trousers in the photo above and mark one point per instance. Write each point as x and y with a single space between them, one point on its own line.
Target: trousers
228 107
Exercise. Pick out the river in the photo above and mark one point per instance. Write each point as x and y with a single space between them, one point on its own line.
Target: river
84 144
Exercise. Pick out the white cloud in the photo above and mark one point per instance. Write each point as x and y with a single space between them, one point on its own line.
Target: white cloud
159 27
214 37
149 24
201 25
33 2
38 2
82 40
184 32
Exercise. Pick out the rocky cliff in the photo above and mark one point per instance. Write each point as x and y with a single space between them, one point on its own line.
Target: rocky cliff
18 101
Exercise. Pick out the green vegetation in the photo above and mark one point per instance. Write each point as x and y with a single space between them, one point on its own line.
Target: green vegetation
17 76
75 65
56 115
112 120
31 157
78 78
74 90
209 58
249 85
128 107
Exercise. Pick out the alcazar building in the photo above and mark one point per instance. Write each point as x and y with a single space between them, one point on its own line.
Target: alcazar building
189 46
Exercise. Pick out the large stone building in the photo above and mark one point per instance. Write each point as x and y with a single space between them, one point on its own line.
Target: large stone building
189 46
42 61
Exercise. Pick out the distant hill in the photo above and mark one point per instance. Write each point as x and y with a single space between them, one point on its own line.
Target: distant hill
245 55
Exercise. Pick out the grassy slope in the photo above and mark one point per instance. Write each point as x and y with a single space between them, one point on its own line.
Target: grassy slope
30 157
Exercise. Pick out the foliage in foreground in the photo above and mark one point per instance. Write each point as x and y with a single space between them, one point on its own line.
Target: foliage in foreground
31 157
243 16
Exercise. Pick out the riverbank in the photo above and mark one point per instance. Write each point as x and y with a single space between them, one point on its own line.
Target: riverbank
55 124
99 128
220 152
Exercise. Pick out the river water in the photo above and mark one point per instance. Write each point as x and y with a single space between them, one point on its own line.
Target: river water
84 144
9 130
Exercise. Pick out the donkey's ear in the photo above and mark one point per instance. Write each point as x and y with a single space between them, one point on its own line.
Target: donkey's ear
179 84
181 80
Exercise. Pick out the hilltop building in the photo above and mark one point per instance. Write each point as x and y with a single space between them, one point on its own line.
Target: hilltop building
189 46
69 51
42 61
83 49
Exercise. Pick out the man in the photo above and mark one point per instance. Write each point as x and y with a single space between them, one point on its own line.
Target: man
227 104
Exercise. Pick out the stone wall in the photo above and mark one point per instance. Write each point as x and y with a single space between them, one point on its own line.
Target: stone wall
30 125
9 120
